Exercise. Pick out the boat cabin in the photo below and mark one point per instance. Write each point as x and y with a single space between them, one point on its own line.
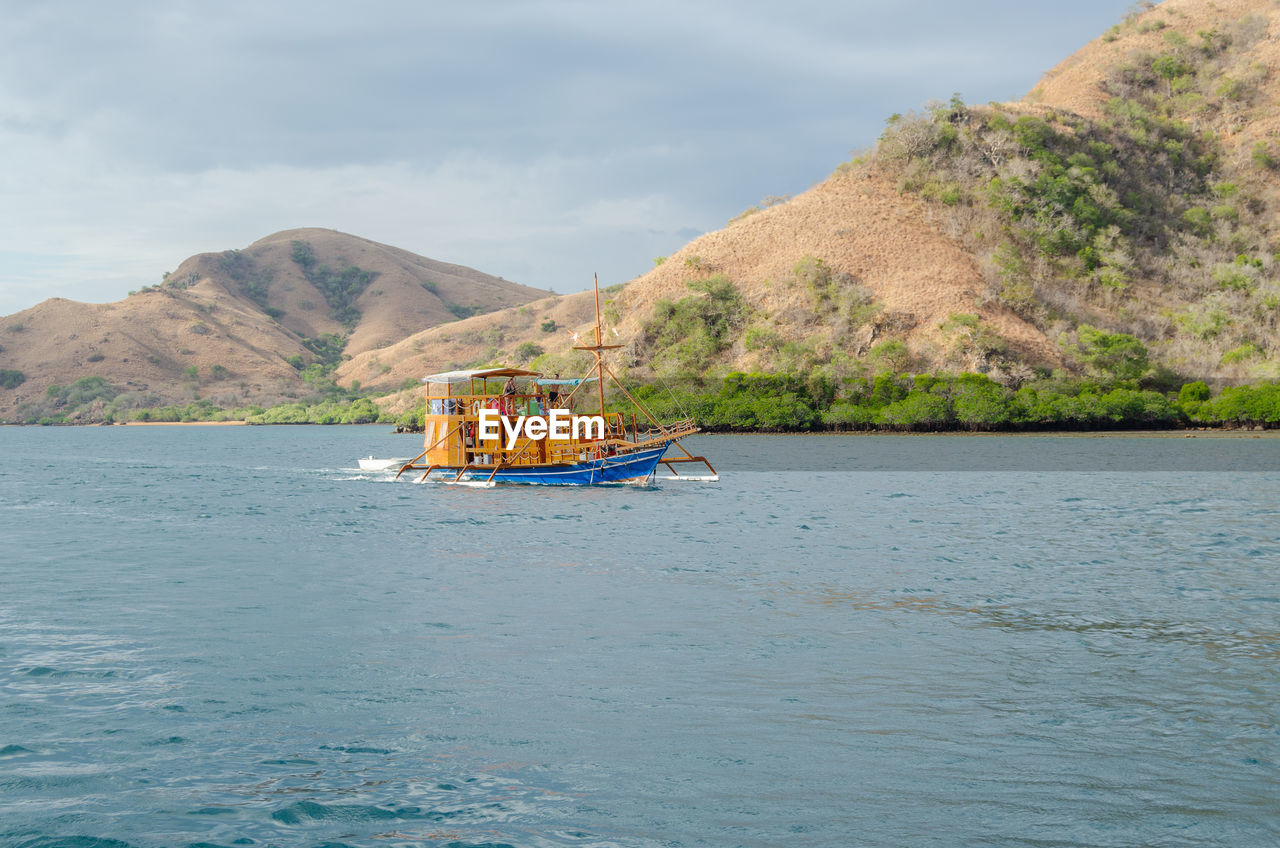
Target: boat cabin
488 417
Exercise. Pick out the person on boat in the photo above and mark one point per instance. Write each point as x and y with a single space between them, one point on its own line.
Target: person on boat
537 405
509 397
553 393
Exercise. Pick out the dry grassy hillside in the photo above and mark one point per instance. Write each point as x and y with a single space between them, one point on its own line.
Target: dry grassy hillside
406 293
1170 121
145 345
235 328
856 221
1078 83
1134 190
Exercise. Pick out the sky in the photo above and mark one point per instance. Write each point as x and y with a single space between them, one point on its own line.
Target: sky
537 140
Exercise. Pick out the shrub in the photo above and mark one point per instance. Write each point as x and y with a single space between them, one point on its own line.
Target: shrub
1205 320
1196 392
762 338
692 330
459 311
549 326
340 287
1262 156
11 379
527 350
910 137
1243 353
1240 275
328 348
1169 66
1117 355
892 355
252 280
303 255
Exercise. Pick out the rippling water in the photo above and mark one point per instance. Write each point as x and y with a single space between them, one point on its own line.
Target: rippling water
227 636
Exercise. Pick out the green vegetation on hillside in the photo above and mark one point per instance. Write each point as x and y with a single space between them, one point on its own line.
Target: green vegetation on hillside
460 312
681 337
86 400
327 348
340 287
11 378
253 280
1089 222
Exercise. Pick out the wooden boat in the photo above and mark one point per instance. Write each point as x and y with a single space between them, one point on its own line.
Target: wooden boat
464 407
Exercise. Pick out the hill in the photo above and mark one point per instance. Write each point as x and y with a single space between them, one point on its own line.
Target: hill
1128 203
824 280
238 327
1120 224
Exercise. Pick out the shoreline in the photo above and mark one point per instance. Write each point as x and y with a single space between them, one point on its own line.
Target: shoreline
163 424
1251 432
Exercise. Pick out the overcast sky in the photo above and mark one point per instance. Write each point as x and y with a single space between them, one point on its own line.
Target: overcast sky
540 141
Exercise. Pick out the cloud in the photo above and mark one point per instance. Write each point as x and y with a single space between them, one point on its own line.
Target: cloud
522 138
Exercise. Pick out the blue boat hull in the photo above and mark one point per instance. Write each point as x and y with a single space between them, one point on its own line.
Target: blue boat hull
624 468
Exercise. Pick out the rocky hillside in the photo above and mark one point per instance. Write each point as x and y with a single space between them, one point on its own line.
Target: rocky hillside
1130 200
251 326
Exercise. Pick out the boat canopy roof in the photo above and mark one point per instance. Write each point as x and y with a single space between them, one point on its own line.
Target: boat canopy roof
465 376
546 382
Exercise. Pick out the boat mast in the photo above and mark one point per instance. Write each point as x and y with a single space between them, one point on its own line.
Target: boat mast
599 346
595 282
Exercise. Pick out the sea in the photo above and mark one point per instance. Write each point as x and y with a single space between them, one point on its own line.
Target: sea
230 636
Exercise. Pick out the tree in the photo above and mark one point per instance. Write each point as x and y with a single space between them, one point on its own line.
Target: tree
1117 355
980 402
1197 392
891 355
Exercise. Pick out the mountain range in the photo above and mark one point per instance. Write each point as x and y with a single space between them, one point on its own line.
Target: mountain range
1132 195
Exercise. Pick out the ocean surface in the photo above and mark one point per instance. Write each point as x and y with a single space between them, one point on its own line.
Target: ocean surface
229 636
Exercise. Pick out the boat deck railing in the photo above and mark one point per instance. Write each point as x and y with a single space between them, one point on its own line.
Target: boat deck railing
517 404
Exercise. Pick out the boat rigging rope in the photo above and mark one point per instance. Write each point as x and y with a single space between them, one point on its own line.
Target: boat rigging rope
684 413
